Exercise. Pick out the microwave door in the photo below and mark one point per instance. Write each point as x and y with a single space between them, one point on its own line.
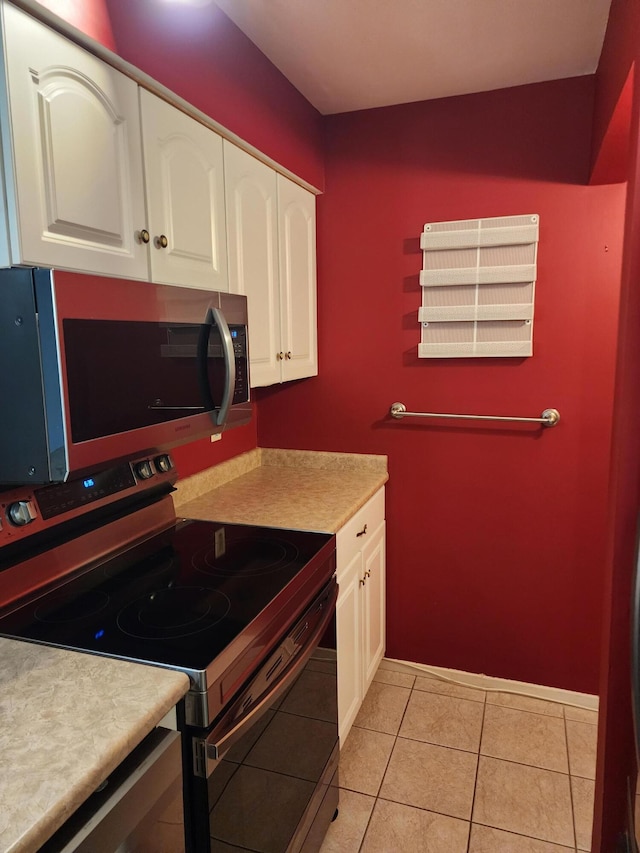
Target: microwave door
215 318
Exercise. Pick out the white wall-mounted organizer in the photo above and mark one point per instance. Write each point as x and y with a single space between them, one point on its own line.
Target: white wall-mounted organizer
478 284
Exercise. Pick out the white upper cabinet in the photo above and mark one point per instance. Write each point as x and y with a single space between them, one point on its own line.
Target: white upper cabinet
252 233
297 253
102 176
72 155
272 260
185 196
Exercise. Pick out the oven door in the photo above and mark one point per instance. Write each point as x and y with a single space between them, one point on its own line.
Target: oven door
265 776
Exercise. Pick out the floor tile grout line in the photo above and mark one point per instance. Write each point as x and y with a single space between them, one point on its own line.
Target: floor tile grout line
377 796
573 811
572 849
475 781
366 829
395 740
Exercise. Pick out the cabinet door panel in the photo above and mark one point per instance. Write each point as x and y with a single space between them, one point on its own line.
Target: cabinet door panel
373 558
349 643
185 191
77 155
297 239
251 202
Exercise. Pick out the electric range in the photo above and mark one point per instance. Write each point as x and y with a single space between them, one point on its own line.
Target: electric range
118 575
102 565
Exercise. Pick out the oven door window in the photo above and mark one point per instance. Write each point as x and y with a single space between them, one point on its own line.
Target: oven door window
124 375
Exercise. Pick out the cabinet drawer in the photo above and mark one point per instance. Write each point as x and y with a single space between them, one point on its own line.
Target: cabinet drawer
354 535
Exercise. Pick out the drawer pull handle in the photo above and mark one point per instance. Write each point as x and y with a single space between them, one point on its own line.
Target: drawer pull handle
367 574
363 531
363 581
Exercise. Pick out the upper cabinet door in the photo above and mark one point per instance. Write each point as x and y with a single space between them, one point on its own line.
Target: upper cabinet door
77 194
185 193
297 252
252 223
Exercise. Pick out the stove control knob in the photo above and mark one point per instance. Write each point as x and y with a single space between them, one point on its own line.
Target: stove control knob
21 513
164 463
143 469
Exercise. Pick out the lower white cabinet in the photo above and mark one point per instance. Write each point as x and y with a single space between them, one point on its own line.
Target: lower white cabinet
360 611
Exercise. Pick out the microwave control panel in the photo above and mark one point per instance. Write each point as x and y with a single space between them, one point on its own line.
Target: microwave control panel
239 338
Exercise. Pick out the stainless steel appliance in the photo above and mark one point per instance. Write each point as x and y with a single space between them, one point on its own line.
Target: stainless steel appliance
138 809
98 369
104 566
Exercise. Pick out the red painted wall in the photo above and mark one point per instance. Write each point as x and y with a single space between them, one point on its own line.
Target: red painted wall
89 16
496 534
617 771
618 51
192 458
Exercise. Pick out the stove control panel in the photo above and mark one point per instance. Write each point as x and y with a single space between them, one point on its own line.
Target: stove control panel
63 497
25 511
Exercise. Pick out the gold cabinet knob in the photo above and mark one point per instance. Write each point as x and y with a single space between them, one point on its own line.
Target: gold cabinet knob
363 581
287 355
161 242
143 236
280 356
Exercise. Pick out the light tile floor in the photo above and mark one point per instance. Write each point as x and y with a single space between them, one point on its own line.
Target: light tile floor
430 767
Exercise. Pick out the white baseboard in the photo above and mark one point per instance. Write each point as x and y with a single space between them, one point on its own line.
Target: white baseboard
488 682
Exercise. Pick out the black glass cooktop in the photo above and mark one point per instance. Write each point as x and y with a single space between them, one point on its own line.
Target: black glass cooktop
178 599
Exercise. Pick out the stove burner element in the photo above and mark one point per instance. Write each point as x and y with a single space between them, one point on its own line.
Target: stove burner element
66 607
171 613
247 559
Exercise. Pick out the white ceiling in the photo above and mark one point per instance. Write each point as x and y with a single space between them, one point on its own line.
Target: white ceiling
348 55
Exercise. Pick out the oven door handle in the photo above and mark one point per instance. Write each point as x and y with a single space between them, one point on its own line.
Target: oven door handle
217 318
223 736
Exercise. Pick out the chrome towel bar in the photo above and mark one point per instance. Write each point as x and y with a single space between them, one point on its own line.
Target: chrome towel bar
549 417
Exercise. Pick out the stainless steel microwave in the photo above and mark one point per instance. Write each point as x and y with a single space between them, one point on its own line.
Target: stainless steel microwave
93 370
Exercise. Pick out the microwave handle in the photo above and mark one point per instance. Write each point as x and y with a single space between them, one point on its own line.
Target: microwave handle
215 316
